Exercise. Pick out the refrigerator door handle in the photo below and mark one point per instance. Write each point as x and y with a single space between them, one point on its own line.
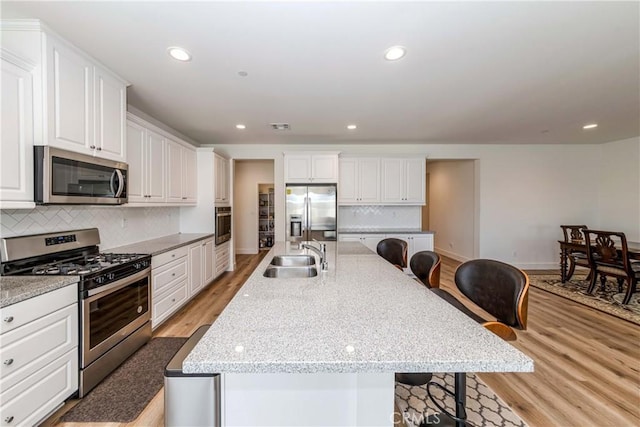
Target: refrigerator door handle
309 227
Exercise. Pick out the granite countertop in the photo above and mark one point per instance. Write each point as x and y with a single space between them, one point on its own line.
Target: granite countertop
14 289
363 315
383 231
161 244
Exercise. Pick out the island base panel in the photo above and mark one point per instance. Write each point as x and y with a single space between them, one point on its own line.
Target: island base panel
354 399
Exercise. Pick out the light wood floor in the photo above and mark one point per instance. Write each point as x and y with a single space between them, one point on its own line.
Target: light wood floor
586 362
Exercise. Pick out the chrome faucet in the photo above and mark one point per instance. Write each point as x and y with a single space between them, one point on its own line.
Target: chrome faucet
322 252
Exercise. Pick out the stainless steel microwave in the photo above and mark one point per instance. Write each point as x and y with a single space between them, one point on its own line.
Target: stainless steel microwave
65 177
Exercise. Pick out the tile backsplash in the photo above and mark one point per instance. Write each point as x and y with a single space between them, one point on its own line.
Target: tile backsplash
118 225
378 217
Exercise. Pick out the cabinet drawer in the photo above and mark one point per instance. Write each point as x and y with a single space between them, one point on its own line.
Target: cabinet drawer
165 306
28 402
25 311
165 277
162 259
27 349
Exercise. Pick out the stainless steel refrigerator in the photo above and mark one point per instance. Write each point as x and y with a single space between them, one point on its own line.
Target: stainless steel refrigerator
311 212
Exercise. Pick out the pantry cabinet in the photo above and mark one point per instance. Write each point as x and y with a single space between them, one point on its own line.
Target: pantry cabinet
314 168
16 116
359 181
403 181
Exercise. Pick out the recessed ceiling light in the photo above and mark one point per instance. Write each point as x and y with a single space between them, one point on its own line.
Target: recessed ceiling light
590 126
243 73
352 127
240 126
394 53
179 53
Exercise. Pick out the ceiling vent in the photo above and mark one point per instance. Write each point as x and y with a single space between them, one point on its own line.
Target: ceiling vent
280 126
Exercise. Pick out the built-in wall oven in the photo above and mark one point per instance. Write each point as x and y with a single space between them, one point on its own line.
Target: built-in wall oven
223 224
65 177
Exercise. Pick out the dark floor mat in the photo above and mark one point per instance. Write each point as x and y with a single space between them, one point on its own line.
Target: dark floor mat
124 394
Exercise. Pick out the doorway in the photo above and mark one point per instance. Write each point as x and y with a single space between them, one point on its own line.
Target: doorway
248 174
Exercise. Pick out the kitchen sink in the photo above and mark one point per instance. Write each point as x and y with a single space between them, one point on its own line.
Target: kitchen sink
293 260
282 272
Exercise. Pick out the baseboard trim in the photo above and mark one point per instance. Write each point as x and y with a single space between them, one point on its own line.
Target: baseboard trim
452 255
246 251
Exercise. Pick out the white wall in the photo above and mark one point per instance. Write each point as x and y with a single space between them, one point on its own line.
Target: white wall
525 191
452 207
248 174
619 187
118 225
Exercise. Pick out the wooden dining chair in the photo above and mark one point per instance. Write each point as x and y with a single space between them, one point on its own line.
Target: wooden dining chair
608 254
574 234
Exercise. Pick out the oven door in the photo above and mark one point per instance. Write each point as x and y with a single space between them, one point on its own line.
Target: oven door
64 177
223 227
112 312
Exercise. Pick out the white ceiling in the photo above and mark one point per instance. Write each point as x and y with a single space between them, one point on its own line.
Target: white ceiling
475 72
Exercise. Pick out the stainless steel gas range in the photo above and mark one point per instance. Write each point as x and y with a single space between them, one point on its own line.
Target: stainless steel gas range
114 294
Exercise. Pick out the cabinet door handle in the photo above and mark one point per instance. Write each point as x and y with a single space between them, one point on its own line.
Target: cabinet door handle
8 319
8 362
93 147
184 198
8 419
99 148
173 255
173 274
173 300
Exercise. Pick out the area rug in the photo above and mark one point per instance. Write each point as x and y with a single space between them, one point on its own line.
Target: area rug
484 408
124 394
608 300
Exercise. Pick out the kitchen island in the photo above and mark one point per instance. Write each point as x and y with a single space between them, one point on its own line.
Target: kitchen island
323 350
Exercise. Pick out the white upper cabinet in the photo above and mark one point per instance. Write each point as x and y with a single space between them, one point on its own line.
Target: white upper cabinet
78 104
70 98
146 175
314 168
359 181
222 187
403 181
190 176
110 115
174 172
16 116
182 173
161 170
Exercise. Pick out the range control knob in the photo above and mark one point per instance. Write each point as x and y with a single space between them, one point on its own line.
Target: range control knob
111 276
100 280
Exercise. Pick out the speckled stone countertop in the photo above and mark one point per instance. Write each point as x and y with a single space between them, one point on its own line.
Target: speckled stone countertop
161 244
383 231
363 315
14 289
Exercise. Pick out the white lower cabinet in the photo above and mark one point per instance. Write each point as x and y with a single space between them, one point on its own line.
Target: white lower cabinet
39 354
416 241
169 283
201 265
179 275
369 240
222 258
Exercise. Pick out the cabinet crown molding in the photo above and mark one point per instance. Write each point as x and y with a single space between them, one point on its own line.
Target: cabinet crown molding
24 25
310 152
